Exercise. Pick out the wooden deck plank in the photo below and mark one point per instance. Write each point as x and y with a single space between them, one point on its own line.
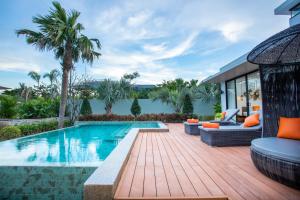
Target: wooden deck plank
149 181
186 185
162 188
174 165
187 163
137 187
174 185
128 173
222 183
211 186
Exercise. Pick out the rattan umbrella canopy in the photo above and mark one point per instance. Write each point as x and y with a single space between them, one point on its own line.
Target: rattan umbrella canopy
281 48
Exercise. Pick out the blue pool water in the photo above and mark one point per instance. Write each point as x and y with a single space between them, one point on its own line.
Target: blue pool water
82 145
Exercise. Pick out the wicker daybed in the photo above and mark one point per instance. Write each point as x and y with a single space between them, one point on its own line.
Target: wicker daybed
230 135
278 158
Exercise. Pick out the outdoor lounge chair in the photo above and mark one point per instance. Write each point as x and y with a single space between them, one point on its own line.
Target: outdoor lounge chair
278 158
230 135
228 119
192 128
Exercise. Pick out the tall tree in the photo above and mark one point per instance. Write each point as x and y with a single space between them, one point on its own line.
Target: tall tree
53 87
208 92
187 105
173 92
60 32
52 76
112 91
135 107
25 91
35 76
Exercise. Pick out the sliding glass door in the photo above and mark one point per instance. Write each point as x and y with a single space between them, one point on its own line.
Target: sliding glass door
231 100
241 98
254 92
244 93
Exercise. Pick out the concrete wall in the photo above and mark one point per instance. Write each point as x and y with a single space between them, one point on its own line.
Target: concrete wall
148 107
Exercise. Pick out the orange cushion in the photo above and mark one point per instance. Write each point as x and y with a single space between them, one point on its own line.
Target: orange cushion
252 120
210 125
223 115
289 128
192 121
255 107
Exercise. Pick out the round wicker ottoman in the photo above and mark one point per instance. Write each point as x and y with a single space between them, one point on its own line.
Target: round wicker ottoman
278 158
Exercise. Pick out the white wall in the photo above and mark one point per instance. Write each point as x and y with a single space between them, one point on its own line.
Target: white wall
150 107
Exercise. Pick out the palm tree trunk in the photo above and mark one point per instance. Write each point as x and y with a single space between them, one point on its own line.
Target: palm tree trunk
67 66
108 109
63 97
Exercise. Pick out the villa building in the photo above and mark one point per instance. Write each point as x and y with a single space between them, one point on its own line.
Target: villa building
240 80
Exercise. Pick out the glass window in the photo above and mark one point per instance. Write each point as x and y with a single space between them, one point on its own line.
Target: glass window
230 94
254 92
241 97
246 101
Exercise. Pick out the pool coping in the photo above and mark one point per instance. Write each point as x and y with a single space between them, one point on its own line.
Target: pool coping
103 183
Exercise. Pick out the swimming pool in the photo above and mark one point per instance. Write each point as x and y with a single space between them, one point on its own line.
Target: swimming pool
55 164
81 145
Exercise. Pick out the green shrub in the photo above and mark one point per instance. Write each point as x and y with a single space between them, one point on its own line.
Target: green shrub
85 107
188 108
217 108
39 108
7 106
28 129
9 132
68 123
218 116
135 107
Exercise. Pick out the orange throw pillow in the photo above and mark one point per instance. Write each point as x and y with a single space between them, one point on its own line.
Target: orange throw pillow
289 128
210 125
252 120
223 115
193 121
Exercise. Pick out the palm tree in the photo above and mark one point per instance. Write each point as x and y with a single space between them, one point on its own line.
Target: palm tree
25 91
175 98
52 76
112 91
208 92
35 76
60 32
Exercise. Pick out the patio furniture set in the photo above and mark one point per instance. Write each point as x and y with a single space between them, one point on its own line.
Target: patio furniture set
275 142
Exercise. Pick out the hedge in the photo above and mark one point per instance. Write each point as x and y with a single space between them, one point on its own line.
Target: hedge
10 132
170 118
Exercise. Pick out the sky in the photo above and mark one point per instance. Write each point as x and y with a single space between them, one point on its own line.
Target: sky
160 39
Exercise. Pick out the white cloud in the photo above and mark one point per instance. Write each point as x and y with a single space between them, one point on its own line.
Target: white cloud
13 64
181 48
138 19
234 31
154 48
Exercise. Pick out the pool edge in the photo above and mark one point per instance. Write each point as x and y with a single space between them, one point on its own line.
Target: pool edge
103 183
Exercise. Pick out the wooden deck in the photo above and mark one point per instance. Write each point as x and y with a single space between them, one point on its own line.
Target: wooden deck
173 165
